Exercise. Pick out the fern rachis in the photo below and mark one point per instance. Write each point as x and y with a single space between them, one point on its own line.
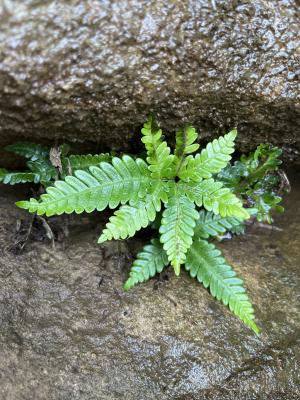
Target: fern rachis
185 193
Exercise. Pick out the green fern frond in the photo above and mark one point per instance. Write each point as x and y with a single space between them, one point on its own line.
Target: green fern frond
83 162
205 263
128 220
106 185
177 228
211 160
43 168
13 178
210 224
30 151
185 141
184 145
158 153
150 261
131 218
214 197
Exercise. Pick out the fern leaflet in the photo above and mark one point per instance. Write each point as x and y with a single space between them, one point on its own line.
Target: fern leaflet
158 153
214 197
177 228
83 162
184 145
150 261
106 185
43 168
30 151
131 218
205 263
211 159
210 224
17 177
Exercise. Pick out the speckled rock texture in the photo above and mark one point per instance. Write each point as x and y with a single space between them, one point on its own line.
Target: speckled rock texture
69 331
92 70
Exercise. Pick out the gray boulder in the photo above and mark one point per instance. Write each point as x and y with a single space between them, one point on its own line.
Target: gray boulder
85 70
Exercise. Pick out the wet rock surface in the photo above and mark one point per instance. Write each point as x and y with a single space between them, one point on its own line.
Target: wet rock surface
89 70
68 330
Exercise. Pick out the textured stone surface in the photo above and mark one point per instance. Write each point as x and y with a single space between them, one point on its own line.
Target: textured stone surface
68 331
92 70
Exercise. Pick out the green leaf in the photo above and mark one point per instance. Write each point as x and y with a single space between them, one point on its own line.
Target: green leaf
231 176
158 153
38 162
238 229
106 185
30 151
214 197
205 263
184 145
131 218
150 261
83 162
211 159
264 160
177 228
128 220
210 224
15 177
3 173
265 203
42 168
185 141
64 150
254 179
252 168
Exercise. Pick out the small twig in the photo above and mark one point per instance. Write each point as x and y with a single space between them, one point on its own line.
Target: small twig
285 185
264 226
47 229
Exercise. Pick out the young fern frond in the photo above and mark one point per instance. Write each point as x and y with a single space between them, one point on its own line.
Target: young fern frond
214 197
131 218
211 160
205 263
30 151
158 153
177 228
106 185
185 145
13 178
210 224
150 261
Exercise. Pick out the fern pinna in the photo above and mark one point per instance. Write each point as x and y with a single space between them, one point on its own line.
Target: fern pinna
182 191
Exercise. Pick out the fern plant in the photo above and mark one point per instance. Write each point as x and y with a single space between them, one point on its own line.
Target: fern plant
189 198
255 179
181 191
42 168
